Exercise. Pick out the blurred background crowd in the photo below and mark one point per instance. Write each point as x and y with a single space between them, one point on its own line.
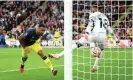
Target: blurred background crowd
17 16
118 12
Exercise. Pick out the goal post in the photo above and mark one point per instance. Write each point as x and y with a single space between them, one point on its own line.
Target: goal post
68 39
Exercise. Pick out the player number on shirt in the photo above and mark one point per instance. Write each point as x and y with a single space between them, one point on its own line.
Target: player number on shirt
103 23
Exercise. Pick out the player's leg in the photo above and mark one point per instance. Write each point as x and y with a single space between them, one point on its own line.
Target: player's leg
95 66
38 49
82 41
57 56
100 43
93 41
23 59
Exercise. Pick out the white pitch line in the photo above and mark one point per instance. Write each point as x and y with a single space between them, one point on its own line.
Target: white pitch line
41 67
28 69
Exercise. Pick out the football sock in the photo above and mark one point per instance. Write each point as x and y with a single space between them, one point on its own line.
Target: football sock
97 61
23 59
48 62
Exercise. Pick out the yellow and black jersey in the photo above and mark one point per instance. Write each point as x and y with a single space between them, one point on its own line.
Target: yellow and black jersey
30 37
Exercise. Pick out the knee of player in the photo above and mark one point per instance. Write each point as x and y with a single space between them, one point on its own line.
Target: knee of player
40 53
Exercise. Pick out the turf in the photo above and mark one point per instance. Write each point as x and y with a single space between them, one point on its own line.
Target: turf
116 65
37 70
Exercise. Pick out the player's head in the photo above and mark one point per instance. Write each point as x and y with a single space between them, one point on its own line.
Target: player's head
40 29
94 9
97 9
97 6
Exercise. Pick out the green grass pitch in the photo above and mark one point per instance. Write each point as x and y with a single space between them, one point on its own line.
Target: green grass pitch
116 65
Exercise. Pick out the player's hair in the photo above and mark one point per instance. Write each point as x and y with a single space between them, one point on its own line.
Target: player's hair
94 6
97 5
99 8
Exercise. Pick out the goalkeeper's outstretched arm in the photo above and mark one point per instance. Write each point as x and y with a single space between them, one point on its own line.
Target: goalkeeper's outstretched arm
110 32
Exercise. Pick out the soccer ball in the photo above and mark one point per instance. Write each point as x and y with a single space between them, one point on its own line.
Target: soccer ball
96 51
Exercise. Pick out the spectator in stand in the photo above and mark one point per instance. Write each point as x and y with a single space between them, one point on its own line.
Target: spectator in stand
57 36
2 38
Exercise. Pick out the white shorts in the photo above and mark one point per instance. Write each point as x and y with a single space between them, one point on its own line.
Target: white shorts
98 40
95 40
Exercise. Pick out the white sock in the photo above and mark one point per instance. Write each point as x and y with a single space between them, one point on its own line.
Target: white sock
97 61
74 46
61 53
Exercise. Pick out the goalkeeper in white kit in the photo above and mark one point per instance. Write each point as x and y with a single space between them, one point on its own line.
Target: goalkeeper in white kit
96 35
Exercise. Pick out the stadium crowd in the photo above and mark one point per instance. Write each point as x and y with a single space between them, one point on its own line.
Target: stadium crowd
50 14
12 13
119 13
17 16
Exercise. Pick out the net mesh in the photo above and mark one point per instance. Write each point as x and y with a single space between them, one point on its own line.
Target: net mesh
116 63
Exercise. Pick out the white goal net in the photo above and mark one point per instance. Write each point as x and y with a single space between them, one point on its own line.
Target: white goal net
116 63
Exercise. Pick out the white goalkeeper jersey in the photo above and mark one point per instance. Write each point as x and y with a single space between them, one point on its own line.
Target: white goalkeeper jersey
98 23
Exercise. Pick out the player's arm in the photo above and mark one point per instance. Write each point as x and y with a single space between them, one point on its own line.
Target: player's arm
90 25
21 40
111 33
44 36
